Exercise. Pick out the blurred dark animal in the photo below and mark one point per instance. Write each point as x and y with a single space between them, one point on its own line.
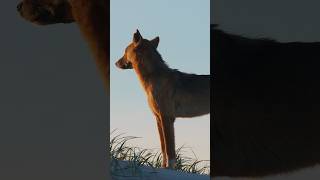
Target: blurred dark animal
266 105
91 17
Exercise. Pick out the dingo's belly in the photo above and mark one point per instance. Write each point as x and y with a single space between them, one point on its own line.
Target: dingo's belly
192 95
193 105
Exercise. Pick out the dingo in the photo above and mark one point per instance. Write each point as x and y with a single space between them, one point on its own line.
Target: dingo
170 93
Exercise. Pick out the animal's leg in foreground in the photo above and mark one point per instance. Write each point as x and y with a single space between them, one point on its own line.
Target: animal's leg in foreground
168 130
162 143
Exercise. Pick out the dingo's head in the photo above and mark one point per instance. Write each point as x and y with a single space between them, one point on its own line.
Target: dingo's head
139 49
44 12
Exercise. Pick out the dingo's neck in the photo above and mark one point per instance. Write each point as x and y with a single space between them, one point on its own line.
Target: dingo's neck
148 69
93 26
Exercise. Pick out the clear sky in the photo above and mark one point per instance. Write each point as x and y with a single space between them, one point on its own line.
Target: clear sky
183 28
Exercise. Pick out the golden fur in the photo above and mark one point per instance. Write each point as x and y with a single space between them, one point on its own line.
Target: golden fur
90 15
170 93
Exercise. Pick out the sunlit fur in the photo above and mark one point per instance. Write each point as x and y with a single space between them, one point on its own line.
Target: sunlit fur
170 93
90 15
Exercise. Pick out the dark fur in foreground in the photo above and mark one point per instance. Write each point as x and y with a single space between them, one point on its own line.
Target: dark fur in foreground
91 17
266 98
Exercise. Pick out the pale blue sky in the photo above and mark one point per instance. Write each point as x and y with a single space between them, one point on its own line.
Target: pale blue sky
183 28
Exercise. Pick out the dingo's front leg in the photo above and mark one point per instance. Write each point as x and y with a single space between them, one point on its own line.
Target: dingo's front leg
168 131
162 142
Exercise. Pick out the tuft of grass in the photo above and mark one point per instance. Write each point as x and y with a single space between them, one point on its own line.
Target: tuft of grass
135 156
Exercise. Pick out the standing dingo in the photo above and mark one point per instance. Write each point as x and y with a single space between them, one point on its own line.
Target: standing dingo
170 93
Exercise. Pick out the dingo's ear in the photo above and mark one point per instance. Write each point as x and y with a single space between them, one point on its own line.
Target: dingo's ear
137 38
155 41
